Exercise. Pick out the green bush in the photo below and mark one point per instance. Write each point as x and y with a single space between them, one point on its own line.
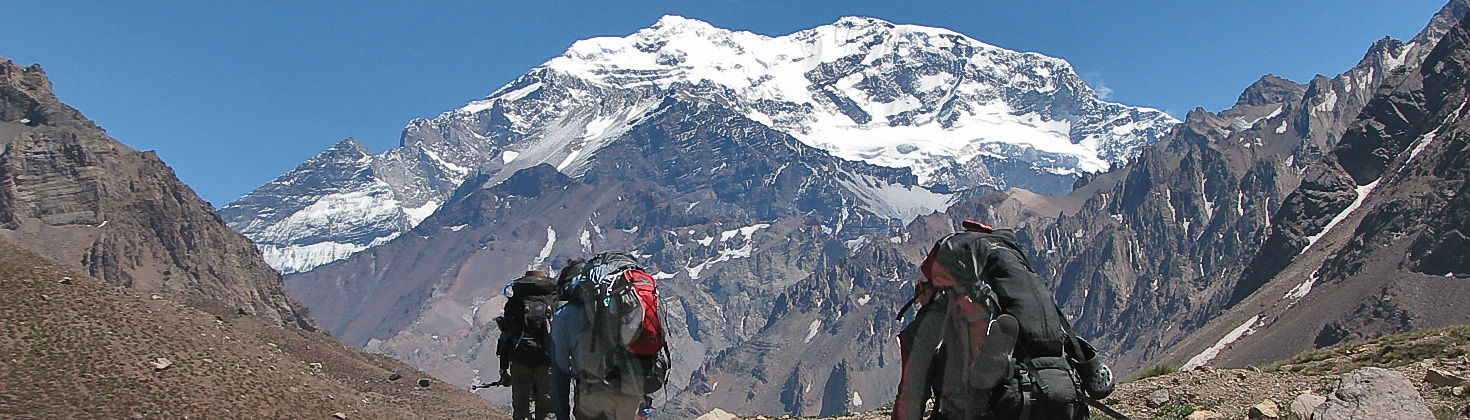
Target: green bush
1173 411
1155 370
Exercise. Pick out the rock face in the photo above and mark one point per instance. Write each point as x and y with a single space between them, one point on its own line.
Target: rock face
1361 248
726 211
959 114
1373 393
1144 259
1158 255
120 215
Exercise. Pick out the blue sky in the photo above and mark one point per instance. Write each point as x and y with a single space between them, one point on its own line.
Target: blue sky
233 94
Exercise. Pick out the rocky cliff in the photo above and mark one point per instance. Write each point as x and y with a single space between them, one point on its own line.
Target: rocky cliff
1374 238
70 191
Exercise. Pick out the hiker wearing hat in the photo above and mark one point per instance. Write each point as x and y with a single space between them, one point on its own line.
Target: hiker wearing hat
525 344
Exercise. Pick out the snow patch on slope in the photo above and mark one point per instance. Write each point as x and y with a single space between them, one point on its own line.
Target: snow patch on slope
1209 354
1363 191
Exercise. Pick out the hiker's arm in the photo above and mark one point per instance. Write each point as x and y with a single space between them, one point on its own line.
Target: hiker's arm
562 339
503 347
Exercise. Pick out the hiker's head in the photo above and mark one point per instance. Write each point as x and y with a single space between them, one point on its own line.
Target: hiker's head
568 276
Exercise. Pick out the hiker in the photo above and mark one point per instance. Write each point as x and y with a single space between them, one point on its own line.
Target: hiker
524 345
989 341
566 324
609 339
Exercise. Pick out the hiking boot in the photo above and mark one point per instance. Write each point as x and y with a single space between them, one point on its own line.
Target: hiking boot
993 362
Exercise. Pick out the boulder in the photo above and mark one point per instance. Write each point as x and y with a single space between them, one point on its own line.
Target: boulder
1204 415
1265 410
1304 404
1441 377
716 414
1157 398
1373 393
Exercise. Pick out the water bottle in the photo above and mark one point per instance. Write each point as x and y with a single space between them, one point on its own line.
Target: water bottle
645 410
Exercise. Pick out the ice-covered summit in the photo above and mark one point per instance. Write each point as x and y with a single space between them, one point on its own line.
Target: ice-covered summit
956 112
866 89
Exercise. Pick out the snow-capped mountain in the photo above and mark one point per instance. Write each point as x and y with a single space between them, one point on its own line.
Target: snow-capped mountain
340 202
957 112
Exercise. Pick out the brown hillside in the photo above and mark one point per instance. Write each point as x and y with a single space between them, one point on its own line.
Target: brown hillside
75 347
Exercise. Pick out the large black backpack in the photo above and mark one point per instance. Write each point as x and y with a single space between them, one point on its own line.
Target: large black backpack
531 301
989 341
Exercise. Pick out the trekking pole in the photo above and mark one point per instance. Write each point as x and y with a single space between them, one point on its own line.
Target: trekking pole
489 385
1109 410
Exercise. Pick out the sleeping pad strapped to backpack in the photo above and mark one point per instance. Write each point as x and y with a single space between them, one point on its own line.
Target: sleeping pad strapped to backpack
622 346
988 341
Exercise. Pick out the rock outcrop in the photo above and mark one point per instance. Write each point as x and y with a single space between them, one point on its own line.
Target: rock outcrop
1373 393
120 215
1363 247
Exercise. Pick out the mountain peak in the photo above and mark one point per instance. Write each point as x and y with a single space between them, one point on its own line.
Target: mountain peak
862 21
31 81
1271 89
676 23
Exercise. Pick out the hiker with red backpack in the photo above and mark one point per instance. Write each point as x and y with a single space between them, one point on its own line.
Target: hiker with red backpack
989 341
524 346
609 339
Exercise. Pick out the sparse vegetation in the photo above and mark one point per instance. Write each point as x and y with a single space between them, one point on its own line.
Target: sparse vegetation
1152 371
1389 351
1173 411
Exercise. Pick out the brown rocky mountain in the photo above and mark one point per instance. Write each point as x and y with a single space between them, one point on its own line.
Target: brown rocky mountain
76 347
1376 233
123 295
1159 255
68 190
724 211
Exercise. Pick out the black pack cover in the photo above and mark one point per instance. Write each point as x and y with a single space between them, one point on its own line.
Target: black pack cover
982 304
527 325
974 260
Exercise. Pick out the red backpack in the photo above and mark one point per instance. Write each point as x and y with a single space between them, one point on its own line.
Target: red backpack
651 335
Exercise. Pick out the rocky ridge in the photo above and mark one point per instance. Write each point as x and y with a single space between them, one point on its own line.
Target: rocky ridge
68 190
1370 233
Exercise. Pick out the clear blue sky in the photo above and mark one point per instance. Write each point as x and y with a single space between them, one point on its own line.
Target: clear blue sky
233 94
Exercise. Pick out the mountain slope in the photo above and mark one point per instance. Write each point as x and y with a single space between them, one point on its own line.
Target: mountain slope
80 348
1139 257
1158 256
724 210
70 191
958 113
123 295
1377 236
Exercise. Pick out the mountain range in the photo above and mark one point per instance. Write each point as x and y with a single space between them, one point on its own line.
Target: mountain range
958 113
783 189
